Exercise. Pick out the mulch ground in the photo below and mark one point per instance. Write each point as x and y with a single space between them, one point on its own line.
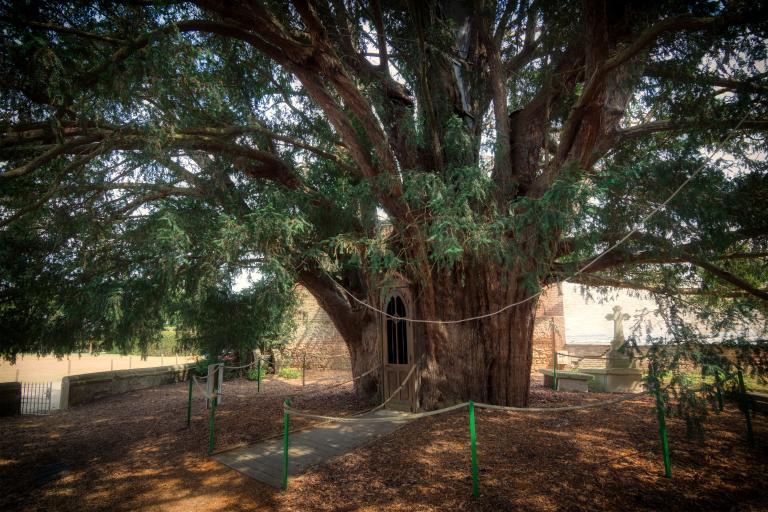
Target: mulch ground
134 452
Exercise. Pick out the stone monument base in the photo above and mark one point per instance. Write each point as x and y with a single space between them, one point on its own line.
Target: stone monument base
567 381
616 380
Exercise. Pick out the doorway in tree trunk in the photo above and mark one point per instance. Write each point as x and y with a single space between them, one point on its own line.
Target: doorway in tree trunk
398 352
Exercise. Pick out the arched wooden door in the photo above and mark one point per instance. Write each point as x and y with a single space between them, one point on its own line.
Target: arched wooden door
398 353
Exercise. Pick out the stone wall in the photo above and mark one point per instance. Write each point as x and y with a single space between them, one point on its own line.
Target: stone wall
88 387
315 336
580 350
548 329
599 349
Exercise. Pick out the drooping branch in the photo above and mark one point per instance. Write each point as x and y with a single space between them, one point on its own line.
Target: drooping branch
333 301
623 258
668 125
68 147
231 131
682 23
53 27
597 280
667 72
728 277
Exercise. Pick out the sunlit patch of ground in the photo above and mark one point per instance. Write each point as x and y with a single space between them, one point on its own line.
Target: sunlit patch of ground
134 452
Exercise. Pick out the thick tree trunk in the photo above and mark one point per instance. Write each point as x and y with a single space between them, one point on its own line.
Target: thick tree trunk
486 360
358 327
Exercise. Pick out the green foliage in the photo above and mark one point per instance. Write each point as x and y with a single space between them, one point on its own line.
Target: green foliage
257 374
215 160
257 317
201 366
289 373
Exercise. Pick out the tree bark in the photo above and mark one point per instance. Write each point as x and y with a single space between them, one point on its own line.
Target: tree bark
484 360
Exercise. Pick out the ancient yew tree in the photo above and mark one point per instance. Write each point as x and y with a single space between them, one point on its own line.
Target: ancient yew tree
479 150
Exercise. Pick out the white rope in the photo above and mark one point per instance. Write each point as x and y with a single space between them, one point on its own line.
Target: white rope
356 378
350 418
410 417
239 367
582 269
393 394
204 391
379 419
308 390
560 409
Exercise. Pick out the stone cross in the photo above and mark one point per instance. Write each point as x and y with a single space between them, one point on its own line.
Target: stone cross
618 327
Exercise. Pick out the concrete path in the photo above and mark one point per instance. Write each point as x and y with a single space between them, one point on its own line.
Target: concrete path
264 461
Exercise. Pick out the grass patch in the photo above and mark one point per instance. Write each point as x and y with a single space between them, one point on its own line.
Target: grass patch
290 373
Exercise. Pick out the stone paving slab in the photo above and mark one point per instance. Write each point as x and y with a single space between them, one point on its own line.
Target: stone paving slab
264 461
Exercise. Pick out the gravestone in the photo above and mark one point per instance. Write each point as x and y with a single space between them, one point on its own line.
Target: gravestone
615 358
620 374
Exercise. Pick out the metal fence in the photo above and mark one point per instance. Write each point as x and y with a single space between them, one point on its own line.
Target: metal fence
36 397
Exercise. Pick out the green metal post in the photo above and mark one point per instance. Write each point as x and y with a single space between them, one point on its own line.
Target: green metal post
745 407
663 430
473 449
189 402
719 390
258 376
286 422
212 427
303 367
554 372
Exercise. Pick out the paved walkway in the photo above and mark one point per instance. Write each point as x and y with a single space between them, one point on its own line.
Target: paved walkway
264 461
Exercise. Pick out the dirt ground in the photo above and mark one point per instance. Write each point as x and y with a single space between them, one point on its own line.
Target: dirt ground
134 452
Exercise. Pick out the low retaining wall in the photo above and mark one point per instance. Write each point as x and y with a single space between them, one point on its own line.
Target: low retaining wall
88 387
580 350
10 398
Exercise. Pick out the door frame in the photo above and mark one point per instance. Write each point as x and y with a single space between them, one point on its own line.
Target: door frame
410 388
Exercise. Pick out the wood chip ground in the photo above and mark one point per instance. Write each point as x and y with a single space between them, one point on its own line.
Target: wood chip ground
133 452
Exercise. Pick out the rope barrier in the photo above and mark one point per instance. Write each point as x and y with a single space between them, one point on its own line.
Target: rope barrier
393 394
373 409
355 378
204 391
239 367
578 272
415 416
357 419
560 409
217 365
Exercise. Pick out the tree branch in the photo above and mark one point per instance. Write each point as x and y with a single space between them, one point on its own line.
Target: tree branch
596 280
728 277
667 125
39 25
51 154
748 85
680 23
